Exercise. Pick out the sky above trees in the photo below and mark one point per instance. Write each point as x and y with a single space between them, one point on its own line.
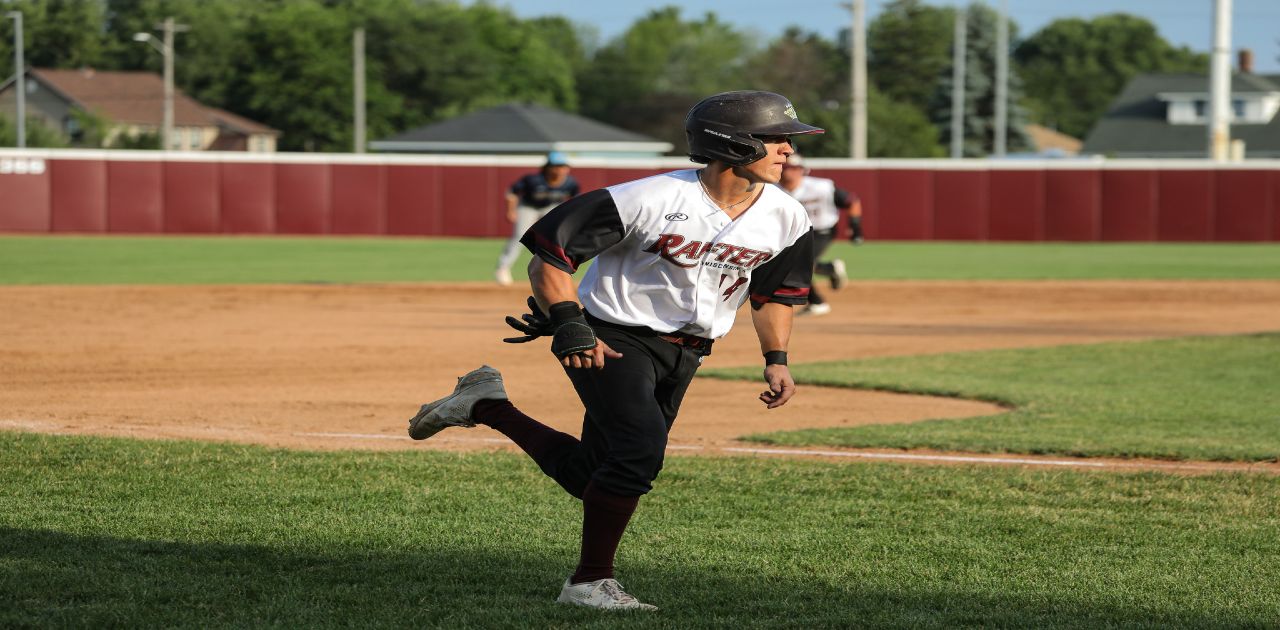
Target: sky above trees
1180 22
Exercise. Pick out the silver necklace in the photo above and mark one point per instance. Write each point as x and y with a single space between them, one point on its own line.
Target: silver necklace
706 191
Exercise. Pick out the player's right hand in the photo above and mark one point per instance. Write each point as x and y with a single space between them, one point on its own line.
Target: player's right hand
574 342
593 358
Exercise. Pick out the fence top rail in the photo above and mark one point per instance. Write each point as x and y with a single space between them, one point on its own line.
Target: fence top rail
675 162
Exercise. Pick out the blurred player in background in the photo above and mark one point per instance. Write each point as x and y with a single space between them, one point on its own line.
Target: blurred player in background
824 203
529 198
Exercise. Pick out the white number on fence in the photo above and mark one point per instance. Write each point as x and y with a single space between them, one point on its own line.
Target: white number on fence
21 166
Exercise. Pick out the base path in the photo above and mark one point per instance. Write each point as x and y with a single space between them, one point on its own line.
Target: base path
345 366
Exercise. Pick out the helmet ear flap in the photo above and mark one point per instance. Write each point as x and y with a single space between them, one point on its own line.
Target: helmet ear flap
712 140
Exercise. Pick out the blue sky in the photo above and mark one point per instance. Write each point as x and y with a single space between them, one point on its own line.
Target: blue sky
1256 23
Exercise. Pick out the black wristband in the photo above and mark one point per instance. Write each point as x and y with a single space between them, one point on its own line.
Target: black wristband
775 357
564 311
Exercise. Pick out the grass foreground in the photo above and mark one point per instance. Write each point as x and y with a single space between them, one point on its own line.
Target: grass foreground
1208 398
57 259
111 532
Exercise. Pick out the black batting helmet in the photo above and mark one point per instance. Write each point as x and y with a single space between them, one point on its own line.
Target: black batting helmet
728 126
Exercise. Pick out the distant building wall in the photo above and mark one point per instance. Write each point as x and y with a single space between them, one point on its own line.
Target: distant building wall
227 193
41 103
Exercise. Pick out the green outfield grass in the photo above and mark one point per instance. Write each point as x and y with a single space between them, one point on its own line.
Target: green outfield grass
109 532
234 260
1193 398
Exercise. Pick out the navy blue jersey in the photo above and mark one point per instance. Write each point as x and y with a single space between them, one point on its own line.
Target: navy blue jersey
534 191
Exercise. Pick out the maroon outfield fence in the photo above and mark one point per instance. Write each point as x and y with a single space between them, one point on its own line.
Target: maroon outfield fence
147 192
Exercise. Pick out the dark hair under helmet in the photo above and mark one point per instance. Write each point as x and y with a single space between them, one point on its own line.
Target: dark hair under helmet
727 127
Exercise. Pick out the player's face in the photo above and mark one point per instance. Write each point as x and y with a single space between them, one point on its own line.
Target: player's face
557 172
768 169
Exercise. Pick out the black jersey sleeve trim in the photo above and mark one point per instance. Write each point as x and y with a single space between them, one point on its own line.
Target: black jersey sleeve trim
576 231
786 277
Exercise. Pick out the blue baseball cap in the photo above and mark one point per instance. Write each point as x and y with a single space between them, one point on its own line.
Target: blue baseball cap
556 158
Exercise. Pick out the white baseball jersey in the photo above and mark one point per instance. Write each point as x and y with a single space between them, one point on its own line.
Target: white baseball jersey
818 196
669 259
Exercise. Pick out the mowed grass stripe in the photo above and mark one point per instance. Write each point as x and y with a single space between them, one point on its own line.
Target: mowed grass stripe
99 532
50 259
1202 398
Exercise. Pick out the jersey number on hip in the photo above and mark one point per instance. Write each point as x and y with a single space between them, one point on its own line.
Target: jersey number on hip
733 287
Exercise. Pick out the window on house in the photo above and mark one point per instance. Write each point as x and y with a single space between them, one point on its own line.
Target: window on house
1237 108
1202 109
194 138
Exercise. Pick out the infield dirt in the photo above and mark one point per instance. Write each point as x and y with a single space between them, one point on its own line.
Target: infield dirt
345 366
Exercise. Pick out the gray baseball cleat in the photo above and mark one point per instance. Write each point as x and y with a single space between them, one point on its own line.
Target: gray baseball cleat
839 274
454 410
606 594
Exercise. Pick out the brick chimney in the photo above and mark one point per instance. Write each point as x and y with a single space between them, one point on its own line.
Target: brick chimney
1245 59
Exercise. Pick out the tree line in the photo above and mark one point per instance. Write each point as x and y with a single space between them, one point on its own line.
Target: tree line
287 64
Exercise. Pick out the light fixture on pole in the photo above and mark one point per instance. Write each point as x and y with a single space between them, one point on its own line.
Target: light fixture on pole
165 48
20 72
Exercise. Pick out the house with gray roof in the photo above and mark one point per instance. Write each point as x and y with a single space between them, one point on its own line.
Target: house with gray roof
523 128
131 104
1167 116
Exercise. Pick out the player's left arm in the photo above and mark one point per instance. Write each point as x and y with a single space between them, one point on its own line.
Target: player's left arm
776 287
773 326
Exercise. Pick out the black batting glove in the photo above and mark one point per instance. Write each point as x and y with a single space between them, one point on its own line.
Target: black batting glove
572 333
536 324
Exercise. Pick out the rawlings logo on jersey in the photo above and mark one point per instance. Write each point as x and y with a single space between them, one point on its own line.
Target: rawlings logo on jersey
673 249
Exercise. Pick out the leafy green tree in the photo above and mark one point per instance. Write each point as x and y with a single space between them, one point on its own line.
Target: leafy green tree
646 79
1074 68
149 140
899 130
441 60
575 42
56 33
39 135
979 90
814 73
287 63
908 49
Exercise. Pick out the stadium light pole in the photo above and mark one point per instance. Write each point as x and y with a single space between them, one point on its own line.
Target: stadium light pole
857 79
20 72
1002 81
1220 83
165 47
357 64
957 85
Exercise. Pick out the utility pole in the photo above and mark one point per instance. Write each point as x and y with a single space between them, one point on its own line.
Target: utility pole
357 63
20 72
1220 83
957 86
1002 81
169 28
858 79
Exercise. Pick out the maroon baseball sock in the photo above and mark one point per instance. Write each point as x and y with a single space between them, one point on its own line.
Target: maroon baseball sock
604 518
535 438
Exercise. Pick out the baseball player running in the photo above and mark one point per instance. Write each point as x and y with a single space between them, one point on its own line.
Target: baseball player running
530 198
675 256
824 202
